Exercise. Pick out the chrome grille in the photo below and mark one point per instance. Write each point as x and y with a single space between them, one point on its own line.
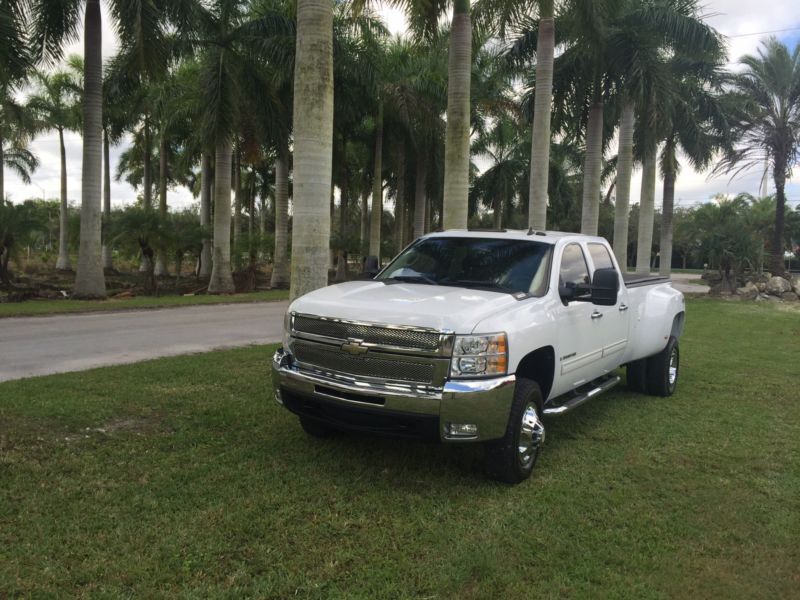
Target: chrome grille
332 358
370 334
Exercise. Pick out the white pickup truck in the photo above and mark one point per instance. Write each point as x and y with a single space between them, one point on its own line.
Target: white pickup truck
478 336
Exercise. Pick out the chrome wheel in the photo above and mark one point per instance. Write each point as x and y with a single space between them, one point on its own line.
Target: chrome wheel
531 436
673 367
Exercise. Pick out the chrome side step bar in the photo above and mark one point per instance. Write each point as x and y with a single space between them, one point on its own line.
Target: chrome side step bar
576 401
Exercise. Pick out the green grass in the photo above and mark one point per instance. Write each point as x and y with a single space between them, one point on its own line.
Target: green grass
52 307
181 477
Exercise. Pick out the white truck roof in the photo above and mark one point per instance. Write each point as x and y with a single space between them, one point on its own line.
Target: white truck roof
547 237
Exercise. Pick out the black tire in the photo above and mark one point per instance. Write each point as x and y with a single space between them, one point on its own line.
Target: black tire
504 460
661 379
316 428
636 376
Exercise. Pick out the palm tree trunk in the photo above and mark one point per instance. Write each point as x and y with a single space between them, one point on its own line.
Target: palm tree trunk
2 171
497 212
161 260
420 195
147 183
376 214
252 208
63 264
237 201
456 150
89 279
147 175
624 173
108 258
331 252
221 280
365 222
428 216
280 266
400 205
205 213
543 103
646 209
778 241
262 215
313 146
592 170
668 203
344 206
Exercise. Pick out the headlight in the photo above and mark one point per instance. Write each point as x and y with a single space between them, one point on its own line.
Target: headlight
479 355
287 329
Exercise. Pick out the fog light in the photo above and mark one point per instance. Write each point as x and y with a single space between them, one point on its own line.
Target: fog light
278 398
462 429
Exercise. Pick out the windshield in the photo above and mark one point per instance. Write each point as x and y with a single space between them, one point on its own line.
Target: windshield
504 265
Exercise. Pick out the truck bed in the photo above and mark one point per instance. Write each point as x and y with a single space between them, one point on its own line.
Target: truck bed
638 279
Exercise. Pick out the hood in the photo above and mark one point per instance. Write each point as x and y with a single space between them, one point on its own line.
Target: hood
439 307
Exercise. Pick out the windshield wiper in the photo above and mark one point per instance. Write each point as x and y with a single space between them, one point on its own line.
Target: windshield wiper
412 279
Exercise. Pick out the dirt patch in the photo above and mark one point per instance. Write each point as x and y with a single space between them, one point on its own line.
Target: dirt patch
149 425
28 432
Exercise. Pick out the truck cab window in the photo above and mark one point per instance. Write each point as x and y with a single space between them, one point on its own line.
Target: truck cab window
600 256
574 270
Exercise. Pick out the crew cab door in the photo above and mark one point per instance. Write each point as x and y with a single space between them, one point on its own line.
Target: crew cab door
580 337
610 323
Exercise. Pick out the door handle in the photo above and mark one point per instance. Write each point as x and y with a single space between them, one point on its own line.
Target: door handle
597 315
623 307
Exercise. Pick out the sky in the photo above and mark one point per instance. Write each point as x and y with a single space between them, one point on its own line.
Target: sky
742 21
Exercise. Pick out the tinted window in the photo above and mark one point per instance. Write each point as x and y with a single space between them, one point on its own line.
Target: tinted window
600 257
573 267
502 264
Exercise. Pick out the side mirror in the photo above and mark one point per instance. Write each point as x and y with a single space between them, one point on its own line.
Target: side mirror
567 293
605 287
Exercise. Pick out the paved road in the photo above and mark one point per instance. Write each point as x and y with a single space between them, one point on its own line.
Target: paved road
689 283
45 345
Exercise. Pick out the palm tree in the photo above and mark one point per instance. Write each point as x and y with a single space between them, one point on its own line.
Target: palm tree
545 38
15 63
138 228
543 102
54 23
623 183
206 183
501 182
15 132
423 17
169 112
646 211
456 157
313 145
15 55
376 211
230 79
765 125
614 49
280 261
696 124
636 48
116 119
16 224
55 105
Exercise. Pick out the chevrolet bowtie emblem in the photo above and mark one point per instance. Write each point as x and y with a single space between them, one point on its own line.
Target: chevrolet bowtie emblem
355 348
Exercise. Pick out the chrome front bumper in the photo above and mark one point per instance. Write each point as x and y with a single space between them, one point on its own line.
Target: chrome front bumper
485 403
